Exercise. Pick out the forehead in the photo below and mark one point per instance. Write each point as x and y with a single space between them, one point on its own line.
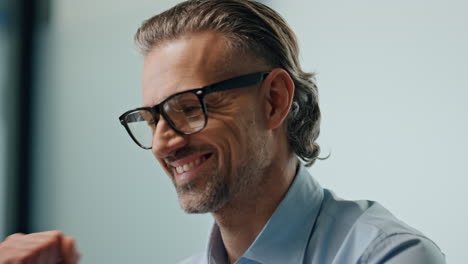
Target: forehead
190 61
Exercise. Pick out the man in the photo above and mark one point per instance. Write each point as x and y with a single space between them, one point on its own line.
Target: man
228 113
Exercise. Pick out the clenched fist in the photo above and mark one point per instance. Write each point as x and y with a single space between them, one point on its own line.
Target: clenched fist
51 247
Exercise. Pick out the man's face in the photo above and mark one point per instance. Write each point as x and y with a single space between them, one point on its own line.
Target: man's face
225 160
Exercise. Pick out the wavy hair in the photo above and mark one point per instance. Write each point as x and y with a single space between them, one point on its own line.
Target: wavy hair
255 29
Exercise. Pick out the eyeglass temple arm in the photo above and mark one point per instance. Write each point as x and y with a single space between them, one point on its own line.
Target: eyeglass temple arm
237 82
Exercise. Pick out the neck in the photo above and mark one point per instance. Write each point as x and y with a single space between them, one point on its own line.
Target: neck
242 220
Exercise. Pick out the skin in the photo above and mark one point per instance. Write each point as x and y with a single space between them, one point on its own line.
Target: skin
247 165
39 248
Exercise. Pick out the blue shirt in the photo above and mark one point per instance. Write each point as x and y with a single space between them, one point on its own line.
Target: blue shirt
312 225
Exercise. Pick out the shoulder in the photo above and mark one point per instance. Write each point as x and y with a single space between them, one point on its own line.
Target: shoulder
366 232
403 248
363 215
199 258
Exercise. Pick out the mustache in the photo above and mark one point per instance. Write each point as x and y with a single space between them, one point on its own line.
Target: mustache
186 151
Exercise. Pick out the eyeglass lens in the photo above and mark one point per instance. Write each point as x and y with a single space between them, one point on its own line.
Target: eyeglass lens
184 112
141 125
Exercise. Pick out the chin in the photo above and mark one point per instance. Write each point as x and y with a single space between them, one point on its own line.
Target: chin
191 207
193 202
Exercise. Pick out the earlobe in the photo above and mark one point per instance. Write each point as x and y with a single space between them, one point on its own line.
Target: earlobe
279 88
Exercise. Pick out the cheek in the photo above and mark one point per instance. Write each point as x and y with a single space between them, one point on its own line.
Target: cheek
233 127
233 135
225 136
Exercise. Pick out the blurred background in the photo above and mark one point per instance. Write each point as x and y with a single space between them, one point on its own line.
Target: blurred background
393 87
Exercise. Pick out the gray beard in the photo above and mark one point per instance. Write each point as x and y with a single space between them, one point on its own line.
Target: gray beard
220 189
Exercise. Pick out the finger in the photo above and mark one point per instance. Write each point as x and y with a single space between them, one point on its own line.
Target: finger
43 240
45 246
57 234
52 253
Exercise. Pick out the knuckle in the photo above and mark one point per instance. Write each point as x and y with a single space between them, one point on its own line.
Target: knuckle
51 235
56 233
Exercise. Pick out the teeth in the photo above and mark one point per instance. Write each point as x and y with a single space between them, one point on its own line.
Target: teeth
188 166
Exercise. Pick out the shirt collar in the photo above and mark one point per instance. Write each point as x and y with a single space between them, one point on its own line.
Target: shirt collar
216 251
285 236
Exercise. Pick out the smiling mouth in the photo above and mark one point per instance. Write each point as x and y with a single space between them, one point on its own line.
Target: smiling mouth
189 165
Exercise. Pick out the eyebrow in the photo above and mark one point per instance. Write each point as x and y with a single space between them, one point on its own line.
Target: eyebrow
217 73
218 86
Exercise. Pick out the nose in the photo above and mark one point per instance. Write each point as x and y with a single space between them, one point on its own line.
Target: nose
166 141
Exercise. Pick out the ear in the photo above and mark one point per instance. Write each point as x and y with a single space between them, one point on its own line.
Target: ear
279 92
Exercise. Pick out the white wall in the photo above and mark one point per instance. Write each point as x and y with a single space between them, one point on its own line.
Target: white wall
394 91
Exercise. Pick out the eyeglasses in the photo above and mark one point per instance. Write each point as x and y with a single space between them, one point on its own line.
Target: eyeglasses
185 112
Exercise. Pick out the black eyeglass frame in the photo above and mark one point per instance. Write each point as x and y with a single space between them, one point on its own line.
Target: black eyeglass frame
230 84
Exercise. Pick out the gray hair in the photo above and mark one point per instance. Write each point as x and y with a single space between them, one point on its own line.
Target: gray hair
255 29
